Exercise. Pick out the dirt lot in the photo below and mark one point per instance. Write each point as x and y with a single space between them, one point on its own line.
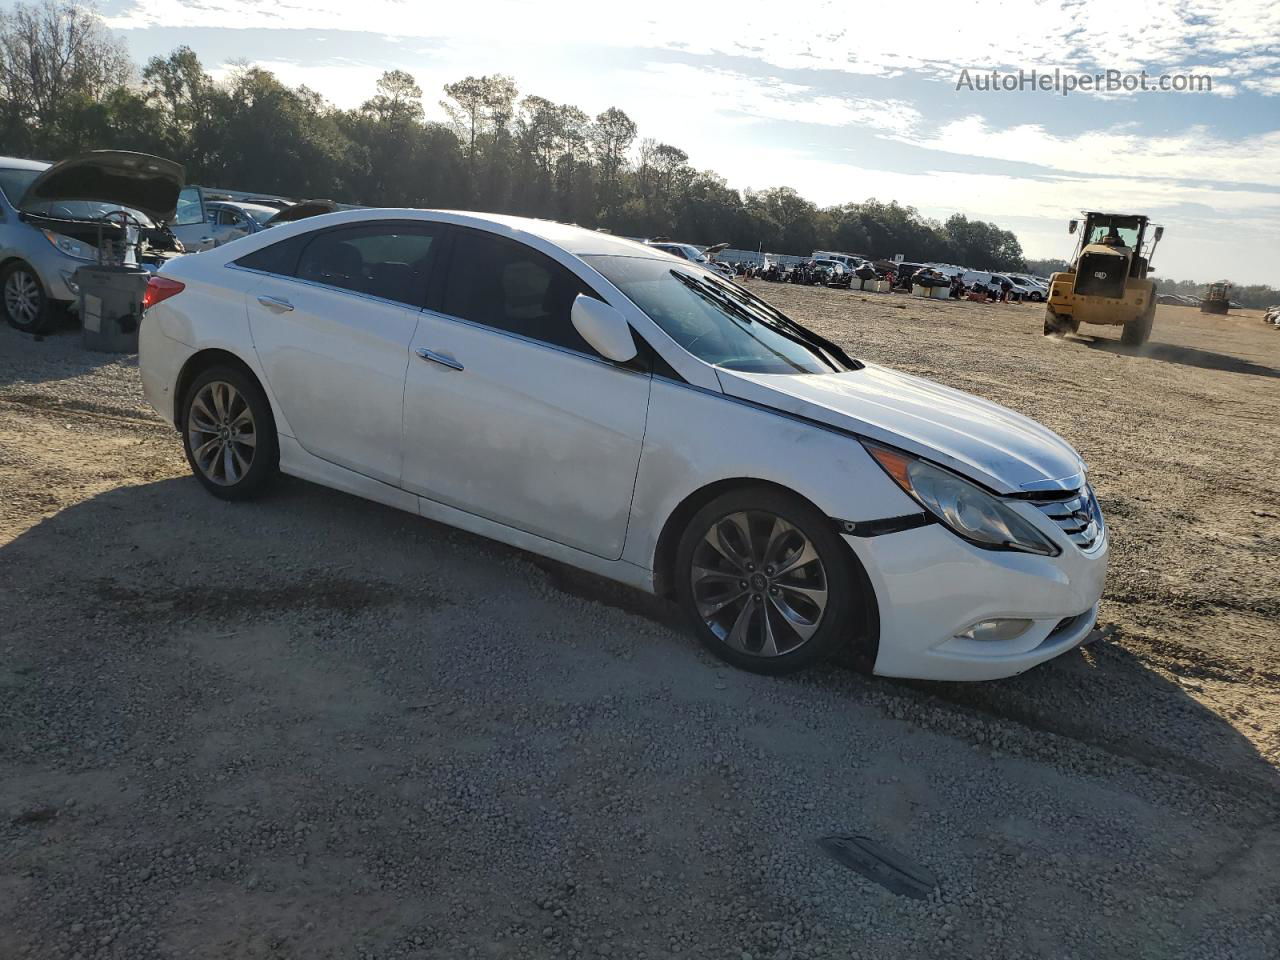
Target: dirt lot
314 727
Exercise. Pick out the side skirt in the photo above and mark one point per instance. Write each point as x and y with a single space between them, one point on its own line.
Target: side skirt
296 462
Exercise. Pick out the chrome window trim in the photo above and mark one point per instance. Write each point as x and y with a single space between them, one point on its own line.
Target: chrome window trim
535 342
325 286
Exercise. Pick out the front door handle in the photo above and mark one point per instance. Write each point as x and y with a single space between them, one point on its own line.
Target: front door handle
277 304
441 358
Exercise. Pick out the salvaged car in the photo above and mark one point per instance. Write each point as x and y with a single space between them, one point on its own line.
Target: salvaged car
232 219
55 217
610 406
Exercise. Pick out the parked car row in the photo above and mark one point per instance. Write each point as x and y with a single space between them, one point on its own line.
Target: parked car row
687 251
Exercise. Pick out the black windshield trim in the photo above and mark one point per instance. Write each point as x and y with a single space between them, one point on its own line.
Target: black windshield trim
741 302
815 339
742 313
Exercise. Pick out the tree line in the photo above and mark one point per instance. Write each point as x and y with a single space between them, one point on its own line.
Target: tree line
67 85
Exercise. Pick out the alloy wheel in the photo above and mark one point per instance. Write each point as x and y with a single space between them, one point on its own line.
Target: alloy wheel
22 297
222 433
758 583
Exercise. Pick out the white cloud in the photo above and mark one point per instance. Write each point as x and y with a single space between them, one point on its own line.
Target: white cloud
564 50
1193 154
344 84
1160 35
763 98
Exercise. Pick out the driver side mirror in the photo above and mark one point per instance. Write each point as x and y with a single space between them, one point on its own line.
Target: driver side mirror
1071 226
1159 232
604 328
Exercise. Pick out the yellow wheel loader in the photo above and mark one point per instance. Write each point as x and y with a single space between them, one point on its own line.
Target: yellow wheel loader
1218 299
1107 283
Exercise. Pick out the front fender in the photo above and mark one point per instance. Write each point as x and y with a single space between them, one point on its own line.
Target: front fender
697 437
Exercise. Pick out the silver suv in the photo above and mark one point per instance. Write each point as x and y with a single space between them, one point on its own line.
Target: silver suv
51 217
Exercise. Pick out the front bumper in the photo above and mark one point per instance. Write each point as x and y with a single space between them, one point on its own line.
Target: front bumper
55 270
931 586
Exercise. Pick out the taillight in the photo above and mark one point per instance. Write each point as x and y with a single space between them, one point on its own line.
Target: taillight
160 288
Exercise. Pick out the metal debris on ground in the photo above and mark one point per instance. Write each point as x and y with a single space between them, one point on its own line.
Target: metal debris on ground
890 869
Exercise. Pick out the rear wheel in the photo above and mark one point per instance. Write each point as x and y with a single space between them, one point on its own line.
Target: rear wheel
229 434
26 306
1137 330
767 582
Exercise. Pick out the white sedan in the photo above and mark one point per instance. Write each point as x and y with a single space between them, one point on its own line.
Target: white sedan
618 409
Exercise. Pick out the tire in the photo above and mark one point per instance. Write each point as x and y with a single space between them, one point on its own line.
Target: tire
1053 326
810 609
229 434
1036 297
1138 329
24 300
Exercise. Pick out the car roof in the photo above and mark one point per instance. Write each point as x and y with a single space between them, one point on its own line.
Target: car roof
570 237
573 240
17 163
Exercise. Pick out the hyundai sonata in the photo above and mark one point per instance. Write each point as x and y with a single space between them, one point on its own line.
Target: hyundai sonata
605 404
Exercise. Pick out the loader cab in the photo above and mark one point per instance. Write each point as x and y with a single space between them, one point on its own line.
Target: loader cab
1113 231
1112 246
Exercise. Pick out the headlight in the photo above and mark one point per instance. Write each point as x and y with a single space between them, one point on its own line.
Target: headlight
963 507
71 246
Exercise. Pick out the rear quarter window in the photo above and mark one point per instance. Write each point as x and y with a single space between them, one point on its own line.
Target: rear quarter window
280 258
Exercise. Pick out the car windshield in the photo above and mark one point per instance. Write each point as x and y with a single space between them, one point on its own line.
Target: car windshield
14 183
260 215
717 322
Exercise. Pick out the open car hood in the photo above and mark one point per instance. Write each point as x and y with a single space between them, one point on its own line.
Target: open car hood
136 180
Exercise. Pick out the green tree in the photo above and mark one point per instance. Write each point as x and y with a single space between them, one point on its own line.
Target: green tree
55 58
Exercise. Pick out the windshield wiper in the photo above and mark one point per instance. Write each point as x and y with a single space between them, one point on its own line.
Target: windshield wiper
814 338
744 317
750 308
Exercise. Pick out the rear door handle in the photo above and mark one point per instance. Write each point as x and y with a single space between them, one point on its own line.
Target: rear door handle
441 358
277 304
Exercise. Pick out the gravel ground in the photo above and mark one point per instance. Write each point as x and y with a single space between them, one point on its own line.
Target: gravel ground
315 727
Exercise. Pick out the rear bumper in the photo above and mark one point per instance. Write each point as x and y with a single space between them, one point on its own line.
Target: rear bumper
160 361
931 586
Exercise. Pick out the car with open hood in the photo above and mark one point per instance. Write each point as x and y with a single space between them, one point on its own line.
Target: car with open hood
53 217
607 405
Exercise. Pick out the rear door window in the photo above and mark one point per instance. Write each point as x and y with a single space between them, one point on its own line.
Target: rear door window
388 260
280 258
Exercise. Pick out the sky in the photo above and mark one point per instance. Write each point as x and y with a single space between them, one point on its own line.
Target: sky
846 102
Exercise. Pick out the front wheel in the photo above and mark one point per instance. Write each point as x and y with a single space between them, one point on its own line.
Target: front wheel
229 434
26 305
1137 330
767 582
1057 325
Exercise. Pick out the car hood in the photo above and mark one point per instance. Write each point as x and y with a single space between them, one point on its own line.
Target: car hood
137 180
1004 450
